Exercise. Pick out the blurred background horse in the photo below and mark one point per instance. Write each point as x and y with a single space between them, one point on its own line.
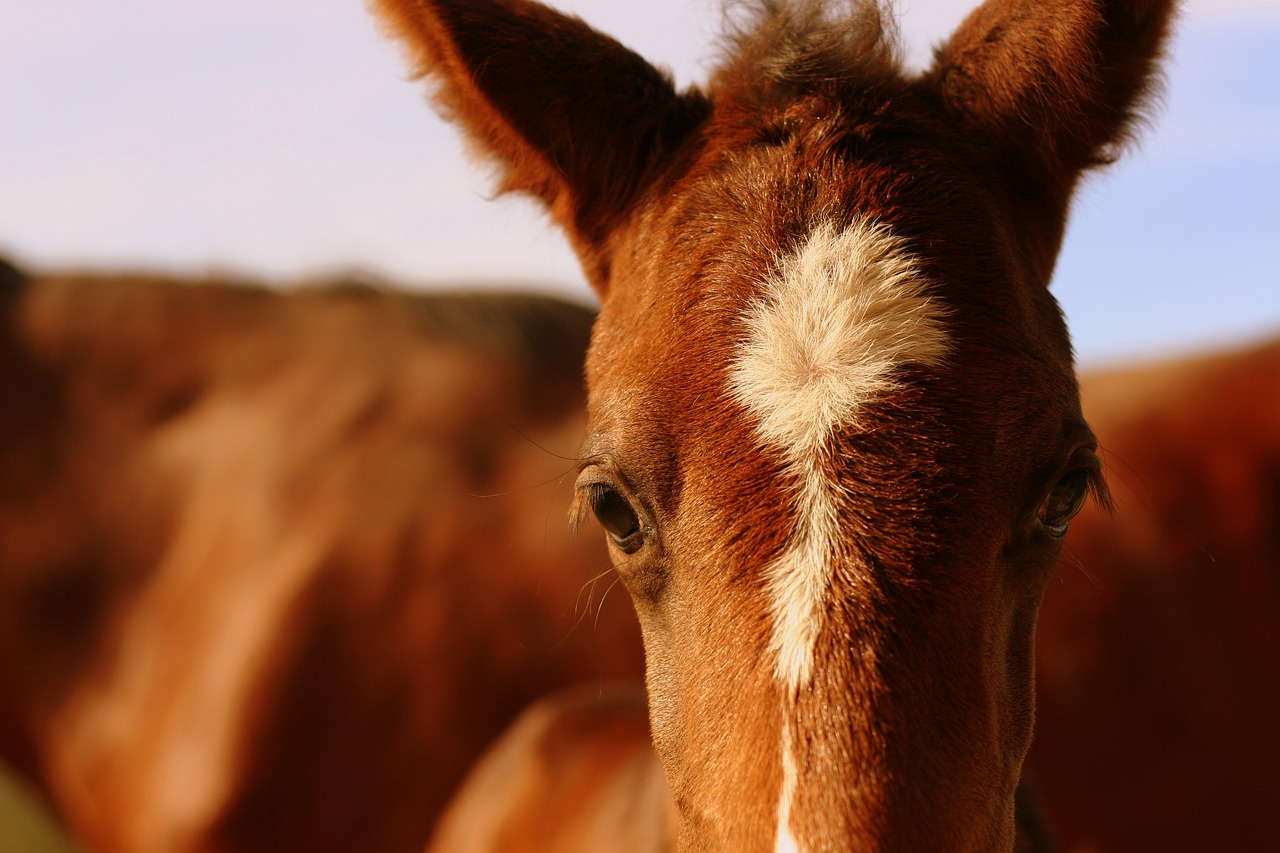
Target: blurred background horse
275 569
142 433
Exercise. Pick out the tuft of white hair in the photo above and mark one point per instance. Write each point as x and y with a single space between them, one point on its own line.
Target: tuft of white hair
837 321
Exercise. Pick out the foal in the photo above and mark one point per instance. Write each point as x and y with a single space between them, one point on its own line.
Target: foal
834 435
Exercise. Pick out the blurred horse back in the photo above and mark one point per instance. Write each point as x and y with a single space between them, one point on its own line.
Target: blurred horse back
275 567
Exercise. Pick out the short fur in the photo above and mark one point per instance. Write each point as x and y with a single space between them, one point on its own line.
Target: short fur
908 720
835 325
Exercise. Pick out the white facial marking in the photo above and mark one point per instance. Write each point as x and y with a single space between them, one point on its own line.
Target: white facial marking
836 322
786 842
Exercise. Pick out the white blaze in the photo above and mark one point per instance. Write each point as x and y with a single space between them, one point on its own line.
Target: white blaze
835 323
786 842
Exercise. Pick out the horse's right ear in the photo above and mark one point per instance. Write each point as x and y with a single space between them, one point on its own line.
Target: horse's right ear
568 114
1055 83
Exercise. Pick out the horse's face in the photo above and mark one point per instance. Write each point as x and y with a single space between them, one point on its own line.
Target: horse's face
834 439
834 435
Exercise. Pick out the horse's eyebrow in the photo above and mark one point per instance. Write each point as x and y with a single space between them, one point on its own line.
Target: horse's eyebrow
593 450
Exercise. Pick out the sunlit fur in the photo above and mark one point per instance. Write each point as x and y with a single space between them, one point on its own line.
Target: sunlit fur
786 842
834 325
836 322
834 478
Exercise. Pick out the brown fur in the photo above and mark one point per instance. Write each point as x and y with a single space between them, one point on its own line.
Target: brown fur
912 733
1155 642
275 568
576 774
1155 649
1159 642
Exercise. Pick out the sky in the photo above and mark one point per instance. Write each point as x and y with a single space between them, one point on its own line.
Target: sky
283 140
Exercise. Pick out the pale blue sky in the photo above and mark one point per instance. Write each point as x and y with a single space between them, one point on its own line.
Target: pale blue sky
280 139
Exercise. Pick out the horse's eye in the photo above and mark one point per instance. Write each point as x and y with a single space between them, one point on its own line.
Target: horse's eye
1062 504
617 518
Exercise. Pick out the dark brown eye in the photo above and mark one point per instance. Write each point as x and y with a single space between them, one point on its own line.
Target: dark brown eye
1064 502
617 518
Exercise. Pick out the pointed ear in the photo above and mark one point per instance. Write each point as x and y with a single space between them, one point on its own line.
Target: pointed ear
568 114
1055 83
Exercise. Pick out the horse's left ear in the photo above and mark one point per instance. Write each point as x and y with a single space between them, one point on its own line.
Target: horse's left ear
568 114
1054 84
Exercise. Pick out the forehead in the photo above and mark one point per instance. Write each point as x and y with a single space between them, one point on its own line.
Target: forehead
762 177
699 255
772 317
846 250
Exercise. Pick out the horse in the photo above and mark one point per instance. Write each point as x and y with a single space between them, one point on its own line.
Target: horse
276 567
834 435
1155 648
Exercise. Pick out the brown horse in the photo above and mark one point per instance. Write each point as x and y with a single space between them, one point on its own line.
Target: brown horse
834 433
1156 651
274 569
